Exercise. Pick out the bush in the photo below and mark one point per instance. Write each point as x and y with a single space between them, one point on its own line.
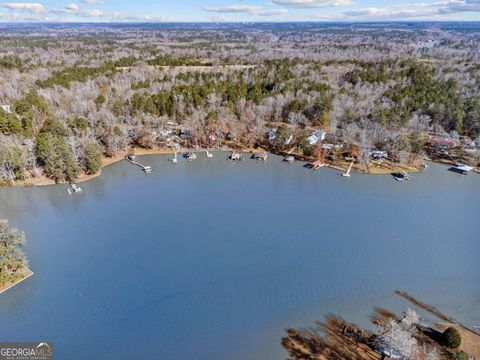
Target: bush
460 355
452 338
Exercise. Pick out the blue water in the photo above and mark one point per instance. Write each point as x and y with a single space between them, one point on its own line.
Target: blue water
213 260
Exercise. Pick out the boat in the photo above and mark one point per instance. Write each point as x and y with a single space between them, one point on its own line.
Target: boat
191 156
208 154
130 157
260 156
401 176
425 166
347 173
289 159
235 156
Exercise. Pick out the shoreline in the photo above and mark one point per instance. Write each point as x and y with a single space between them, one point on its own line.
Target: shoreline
340 165
26 272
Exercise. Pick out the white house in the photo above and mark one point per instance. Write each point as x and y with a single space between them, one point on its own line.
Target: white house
272 134
6 108
316 137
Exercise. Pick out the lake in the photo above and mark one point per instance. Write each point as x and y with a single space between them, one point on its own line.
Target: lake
213 259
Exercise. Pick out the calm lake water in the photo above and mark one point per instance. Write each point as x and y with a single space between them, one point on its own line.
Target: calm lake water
213 260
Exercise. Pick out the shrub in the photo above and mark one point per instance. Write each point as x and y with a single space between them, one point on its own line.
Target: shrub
452 338
460 355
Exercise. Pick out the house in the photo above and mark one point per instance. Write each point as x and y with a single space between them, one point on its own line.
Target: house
165 132
316 137
272 135
212 136
230 136
377 155
288 140
468 144
443 143
185 134
6 108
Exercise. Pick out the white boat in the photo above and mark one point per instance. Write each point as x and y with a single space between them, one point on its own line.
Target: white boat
191 156
289 159
347 173
235 156
208 154
401 176
260 156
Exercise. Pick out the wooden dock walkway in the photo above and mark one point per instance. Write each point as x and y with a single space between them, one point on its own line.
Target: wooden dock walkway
147 169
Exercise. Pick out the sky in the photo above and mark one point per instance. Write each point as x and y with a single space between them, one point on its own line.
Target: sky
238 11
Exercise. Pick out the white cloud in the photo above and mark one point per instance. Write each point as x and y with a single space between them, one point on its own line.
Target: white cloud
423 10
72 7
312 3
90 13
272 12
246 9
89 1
29 7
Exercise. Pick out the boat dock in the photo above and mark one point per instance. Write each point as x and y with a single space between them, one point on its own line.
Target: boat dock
317 164
235 156
349 170
174 159
131 159
74 189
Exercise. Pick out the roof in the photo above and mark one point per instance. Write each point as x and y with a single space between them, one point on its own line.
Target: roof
465 168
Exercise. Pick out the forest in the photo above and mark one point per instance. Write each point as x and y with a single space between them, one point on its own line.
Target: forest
72 95
12 259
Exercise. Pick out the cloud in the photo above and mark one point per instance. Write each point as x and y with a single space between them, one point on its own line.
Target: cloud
72 7
89 1
272 12
245 9
312 3
28 7
424 10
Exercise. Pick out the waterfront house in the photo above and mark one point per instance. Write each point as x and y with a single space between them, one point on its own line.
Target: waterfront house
443 143
377 155
272 135
288 140
230 136
316 136
6 108
185 134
